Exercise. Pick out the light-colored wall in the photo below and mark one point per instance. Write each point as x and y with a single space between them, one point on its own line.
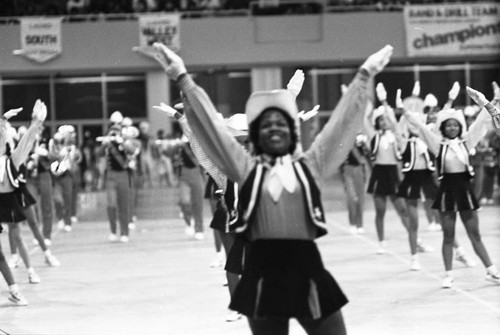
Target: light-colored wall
219 42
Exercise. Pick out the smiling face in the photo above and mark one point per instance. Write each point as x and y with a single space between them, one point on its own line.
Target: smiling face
451 128
382 123
274 133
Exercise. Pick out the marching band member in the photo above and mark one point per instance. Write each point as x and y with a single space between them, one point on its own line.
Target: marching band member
117 181
68 156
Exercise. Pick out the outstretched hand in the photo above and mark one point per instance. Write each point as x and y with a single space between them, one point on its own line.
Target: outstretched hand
294 86
11 113
416 89
343 89
304 116
377 61
168 59
168 110
496 91
399 100
477 96
171 62
452 95
381 92
39 111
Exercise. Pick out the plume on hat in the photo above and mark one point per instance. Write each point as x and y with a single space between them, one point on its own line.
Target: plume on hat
430 100
237 124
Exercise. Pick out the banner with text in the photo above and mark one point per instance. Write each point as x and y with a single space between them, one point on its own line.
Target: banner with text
164 28
40 39
453 29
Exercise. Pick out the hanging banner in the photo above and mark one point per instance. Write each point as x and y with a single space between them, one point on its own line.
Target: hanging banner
164 28
453 29
40 39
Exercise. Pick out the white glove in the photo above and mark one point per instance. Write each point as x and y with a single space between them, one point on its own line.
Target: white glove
39 111
399 101
452 95
477 96
294 86
169 60
376 62
11 113
361 139
168 110
381 92
496 91
416 89
304 116
343 88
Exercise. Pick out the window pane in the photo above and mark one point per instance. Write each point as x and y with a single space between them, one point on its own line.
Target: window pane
25 95
78 100
481 80
128 97
439 83
228 91
238 90
329 89
392 82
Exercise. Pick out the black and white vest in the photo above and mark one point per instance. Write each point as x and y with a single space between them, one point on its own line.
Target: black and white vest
252 187
442 154
410 156
375 143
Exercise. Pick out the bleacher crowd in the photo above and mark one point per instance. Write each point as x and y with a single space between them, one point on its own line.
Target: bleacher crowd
10 8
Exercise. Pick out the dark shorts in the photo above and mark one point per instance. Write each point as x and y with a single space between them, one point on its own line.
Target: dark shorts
418 184
286 279
24 197
384 180
11 210
238 255
455 193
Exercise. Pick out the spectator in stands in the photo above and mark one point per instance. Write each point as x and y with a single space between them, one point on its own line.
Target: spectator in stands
76 7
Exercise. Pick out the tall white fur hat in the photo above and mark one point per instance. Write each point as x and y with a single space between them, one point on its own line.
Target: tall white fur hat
130 132
237 124
379 111
406 126
430 100
471 111
455 114
127 122
413 104
261 100
116 117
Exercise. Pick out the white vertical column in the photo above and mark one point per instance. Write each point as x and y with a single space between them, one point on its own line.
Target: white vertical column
266 78
158 90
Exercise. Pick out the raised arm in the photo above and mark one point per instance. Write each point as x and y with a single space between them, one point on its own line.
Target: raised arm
479 128
222 149
331 146
432 140
205 162
452 95
295 84
23 148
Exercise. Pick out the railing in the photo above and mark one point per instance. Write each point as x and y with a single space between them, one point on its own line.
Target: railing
256 8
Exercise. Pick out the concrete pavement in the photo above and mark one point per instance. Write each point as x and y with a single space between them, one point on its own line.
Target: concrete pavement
161 282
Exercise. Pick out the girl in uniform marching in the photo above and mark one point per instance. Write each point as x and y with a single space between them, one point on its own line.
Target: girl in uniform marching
280 206
455 193
10 209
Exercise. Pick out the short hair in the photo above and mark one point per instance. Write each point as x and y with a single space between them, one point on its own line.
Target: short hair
443 124
255 125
